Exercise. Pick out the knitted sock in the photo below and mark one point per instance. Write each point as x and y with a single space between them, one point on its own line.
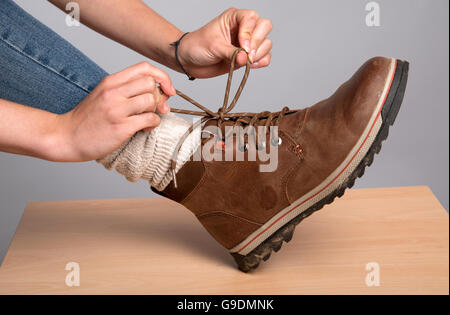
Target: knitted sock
148 155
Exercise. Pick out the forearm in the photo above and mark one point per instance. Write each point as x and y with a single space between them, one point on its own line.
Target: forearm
131 23
29 131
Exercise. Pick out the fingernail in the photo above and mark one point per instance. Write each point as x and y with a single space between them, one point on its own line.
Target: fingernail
252 55
247 45
166 108
255 64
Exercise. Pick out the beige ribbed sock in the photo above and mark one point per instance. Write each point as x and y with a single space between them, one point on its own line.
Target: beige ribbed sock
148 155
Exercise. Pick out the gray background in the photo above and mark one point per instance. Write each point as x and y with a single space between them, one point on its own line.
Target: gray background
317 45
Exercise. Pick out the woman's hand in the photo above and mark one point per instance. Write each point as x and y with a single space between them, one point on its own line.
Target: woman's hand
207 51
122 104
204 53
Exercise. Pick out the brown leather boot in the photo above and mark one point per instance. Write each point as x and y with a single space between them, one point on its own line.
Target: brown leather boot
322 149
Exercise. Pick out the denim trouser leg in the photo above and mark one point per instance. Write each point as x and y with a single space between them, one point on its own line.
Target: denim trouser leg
38 68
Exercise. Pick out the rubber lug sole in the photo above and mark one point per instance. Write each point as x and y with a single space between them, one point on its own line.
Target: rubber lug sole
284 234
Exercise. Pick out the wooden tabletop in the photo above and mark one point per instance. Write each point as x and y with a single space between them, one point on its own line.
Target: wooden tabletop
155 246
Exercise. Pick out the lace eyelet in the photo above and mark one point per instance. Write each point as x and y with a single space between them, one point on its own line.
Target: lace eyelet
243 148
261 146
298 149
276 142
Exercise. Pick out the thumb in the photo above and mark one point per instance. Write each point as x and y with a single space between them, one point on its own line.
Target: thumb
161 100
226 52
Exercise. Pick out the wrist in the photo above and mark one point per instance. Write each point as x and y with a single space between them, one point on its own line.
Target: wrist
57 144
164 53
182 65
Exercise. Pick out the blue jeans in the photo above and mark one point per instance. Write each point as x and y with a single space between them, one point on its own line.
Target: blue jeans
38 68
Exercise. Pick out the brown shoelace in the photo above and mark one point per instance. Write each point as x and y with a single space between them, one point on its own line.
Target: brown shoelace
223 114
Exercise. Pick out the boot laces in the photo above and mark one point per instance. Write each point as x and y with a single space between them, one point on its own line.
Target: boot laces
247 119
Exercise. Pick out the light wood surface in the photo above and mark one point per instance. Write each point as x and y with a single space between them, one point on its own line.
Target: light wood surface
155 246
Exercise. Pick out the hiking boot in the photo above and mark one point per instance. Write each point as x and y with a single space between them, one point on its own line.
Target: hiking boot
322 149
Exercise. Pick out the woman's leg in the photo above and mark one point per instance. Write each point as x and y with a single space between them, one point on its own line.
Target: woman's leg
38 68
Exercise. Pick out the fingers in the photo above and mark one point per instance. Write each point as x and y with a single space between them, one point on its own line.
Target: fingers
147 102
161 101
263 50
132 72
263 62
143 69
246 20
259 36
241 60
164 81
252 34
144 84
141 86
144 121
140 104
